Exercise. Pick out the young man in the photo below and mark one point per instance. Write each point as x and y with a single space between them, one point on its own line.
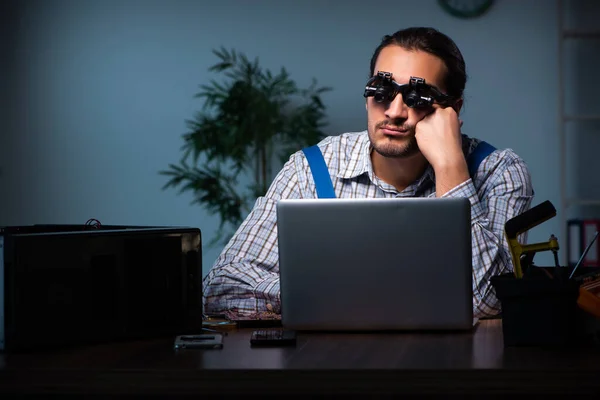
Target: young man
415 151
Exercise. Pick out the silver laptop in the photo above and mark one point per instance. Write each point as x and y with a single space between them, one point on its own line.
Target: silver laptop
375 264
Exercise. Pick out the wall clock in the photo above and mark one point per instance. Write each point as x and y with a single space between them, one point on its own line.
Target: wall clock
466 8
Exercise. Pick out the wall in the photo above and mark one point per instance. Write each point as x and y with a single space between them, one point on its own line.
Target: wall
100 91
580 61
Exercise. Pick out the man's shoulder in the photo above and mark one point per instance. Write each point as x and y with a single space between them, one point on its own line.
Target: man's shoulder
346 139
339 144
494 163
344 154
472 145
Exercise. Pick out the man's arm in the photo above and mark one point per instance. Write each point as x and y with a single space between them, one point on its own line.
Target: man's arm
245 277
505 193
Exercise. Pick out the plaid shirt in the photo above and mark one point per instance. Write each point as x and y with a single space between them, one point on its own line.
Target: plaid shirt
245 277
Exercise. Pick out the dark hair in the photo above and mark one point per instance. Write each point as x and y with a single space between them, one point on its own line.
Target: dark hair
433 42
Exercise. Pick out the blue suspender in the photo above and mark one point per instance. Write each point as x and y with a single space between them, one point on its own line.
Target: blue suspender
320 173
480 152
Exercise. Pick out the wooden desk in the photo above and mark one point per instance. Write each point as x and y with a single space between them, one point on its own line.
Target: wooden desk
456 363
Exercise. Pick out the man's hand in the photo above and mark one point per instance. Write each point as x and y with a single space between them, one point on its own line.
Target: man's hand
439 139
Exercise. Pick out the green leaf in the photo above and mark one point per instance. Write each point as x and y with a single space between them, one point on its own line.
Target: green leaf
250 119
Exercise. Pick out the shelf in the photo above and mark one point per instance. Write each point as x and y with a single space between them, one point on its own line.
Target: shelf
572 33
582 117
567 36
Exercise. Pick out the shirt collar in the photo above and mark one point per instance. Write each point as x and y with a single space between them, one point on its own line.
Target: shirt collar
354 165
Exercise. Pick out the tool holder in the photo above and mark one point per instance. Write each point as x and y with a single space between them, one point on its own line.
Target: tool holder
540 305
539 311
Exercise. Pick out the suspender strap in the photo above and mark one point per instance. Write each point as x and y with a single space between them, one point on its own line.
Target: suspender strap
480 152
320 172
322 179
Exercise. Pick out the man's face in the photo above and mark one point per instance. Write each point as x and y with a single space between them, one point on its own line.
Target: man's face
391 125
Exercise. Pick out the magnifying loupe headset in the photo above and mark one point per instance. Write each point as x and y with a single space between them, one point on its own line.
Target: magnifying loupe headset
415 94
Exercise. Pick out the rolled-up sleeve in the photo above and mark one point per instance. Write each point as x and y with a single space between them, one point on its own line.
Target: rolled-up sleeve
245 277
505 191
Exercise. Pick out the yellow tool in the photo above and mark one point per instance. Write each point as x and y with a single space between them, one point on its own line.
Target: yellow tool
522 254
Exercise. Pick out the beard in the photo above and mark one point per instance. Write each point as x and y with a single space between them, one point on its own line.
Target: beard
394 147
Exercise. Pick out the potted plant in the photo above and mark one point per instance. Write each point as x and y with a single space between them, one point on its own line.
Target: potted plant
249 121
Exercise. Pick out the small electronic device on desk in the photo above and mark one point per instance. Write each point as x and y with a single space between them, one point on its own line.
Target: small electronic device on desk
545 305
214 328
201 341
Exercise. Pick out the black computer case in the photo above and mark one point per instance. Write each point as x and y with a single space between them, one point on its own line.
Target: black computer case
64 285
